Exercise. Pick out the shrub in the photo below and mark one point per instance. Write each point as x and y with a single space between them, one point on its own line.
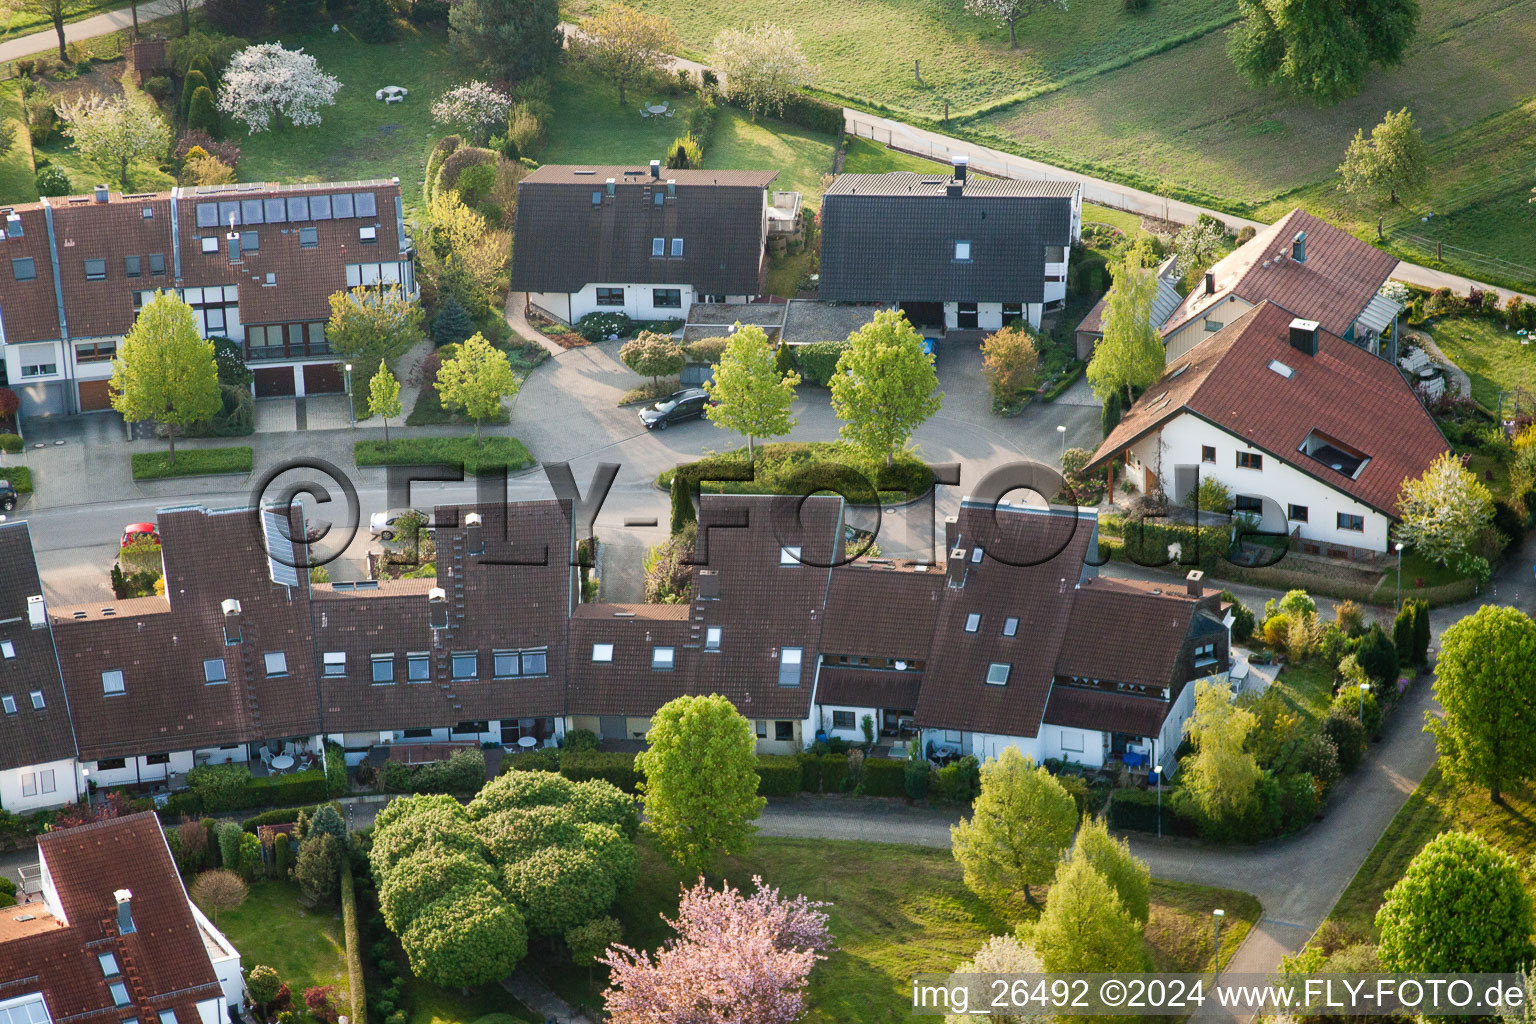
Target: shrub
701 121
616 768
461 159
807 111
531 761
685 152
817 361
959 781
524 129
227 151
221 787
1246 235
706 350
10 443
306 787
580 740
1242 617
1347 735
916 777
810 771
834 773
598 326
1137 809
884 776
202 112
440 152
1298 800
1009 359
778 775
158 88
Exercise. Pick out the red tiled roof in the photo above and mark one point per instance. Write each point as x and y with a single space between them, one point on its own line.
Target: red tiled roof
30 736
868 688
881 612
1093 323
1148 623
1080 708
1341 274
1343 392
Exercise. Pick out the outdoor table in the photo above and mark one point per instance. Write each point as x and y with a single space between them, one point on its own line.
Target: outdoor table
527 742
282 762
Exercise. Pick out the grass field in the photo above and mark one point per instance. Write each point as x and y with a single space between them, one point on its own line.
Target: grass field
17 184
895 911
1492 356
1436 806
418 451
1308 689
109 78
192 462
305 946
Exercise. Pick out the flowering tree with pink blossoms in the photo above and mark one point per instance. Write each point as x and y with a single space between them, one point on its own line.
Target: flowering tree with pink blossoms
736 960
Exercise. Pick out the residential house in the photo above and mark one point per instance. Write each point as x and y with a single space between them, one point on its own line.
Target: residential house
257 262
112 936
1164 305
1312 434
647 243
953 252
1304 265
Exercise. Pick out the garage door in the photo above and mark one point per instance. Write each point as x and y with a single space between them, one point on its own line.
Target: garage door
323 379
274 382
95 395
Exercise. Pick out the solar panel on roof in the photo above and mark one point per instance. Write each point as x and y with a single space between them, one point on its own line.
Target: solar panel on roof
251 212
276 210
207 215
319 207
274 531
298 208
341 206
229 212
365 204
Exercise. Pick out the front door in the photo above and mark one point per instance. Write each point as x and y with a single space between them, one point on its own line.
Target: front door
1151 483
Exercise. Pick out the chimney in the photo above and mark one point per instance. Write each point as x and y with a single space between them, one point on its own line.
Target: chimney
124 912
961 164
1192 583
955 188
231 610
610 188
1210 282
1299 247
37 611
437 608
1304 336
474 539
656 169
102 193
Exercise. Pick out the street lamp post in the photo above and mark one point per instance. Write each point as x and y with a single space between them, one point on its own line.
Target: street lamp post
1363 688
351 409
1216 916
1399 576
1062 430
1159 770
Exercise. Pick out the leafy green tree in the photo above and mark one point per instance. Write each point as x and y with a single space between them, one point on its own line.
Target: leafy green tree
452 324
1129 877
1445 511
1460 907
1421 630
1018 828
189 85
262 984
228 835
328 820
625 46
425 877
469 937
682 504
700 781
476 380
1084 928
1486 684
751 395
164 371
319 868
1392 163
1320 48
384 396
589 941
1377 658
1130 355
203 111
652 355
370 327
784 359
115 131
1114 409
1009 359
1221 774
885 386
514 39
558 888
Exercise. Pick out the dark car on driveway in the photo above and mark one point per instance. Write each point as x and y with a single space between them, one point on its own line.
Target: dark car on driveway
7 496
687 404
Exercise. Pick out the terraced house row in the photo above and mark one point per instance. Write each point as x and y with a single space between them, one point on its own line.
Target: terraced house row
1013 640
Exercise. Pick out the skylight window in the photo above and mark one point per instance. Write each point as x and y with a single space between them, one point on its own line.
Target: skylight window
661 659
962 250
7 649
976 555
277 663
789 555
1280 368
973 622
602 652
1178 370
335 663
997 674
712 637
214 671
112 681
9 704
37 700
1010 626
789 666
108 965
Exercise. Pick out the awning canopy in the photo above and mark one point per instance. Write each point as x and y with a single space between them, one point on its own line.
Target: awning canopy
1379 314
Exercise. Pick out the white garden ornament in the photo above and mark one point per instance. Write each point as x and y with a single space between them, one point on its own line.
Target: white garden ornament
267 82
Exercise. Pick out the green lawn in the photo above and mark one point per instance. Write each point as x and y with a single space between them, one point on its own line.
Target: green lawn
305 946
360 137
866 157
192 462
785 272
494 450
1437 805
432 1005
1307 688
895 911
1130 223
17 183
110 77
1491 355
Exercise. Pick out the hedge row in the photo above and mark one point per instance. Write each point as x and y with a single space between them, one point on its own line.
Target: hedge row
778 775
818 115
1137 809
284 815
355 987
884 776
616 768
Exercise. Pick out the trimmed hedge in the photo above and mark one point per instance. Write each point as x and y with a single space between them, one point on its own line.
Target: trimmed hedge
818 115
884 776
810 772
817 361
284 815
616 768
531 761
355 987
834 773
1146 543
306 787
778 775
1137 809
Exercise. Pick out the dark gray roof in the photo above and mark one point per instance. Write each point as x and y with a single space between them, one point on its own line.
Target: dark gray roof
565 241
891 238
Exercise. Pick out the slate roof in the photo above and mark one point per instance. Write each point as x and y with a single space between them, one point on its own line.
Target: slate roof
1148 621
564 241
165 951
891 238
1081 708
868 688
1339 278
1343 392
29 736
882 611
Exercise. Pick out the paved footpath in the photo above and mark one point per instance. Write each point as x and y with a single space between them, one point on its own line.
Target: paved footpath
89 28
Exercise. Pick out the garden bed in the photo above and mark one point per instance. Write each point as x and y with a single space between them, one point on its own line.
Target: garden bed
192 462
305 947
490 453
784 467
19 476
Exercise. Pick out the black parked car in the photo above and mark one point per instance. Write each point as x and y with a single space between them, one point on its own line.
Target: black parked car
7 496
687 404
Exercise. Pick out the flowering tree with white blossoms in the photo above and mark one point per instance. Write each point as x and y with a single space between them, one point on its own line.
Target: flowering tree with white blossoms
264 83
473 109
1009 12
763 67
115 130
1444 512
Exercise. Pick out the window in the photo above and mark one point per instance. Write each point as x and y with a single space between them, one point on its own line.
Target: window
677 248
383 669
214 671
997 674
712 637
602 652
29 784
1211 326
658 247
597 197
842 719
1355 524
1205 654
368 235
1012 311
157 264
25 268
210 243
30 367
112 681
418 667
415 734
1071 739
667 298
9 703
132 266
309 238
276 662
466 664
784 732
789 555
7 649
45 780
661 659
111 764
789 666
1296 513
250 242
95 351
335 663
95 270
1248 503
37 700
762 729
119 994
962 250
168 1017
1010 626
536 663
973 622
157 759
610 296
977 554
1250 460
108 964
504 664
13 227
1208 453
